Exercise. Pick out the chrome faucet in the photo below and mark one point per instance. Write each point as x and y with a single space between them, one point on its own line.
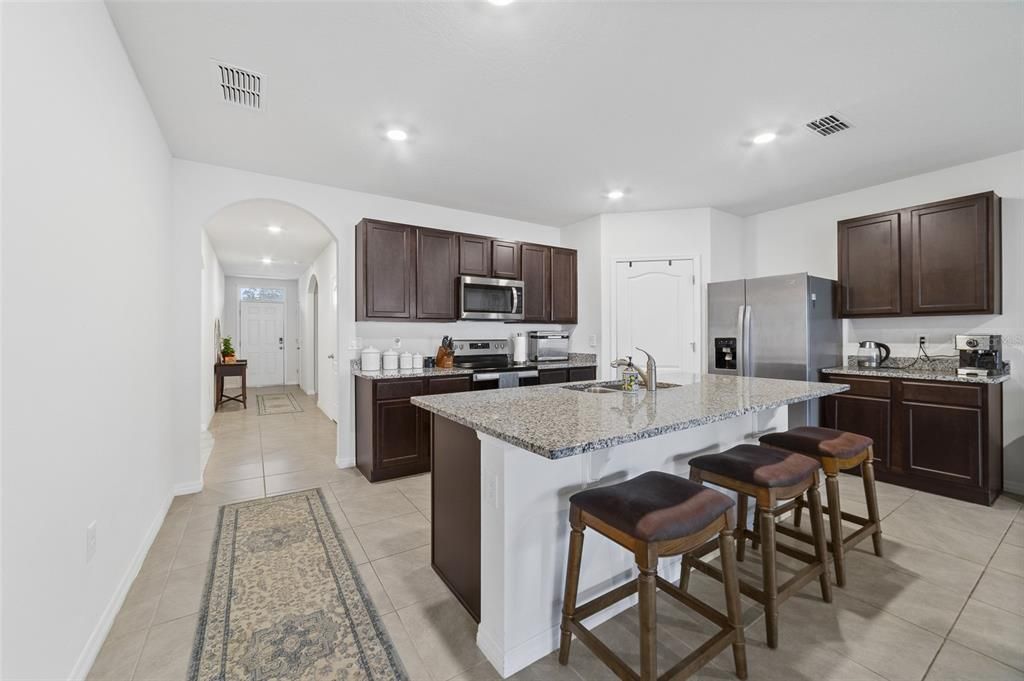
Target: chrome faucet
649 377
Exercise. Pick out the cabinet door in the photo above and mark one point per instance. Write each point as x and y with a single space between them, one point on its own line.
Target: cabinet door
563 286
869 265
551 376
536 283
942 442
437 268
505 259
862 415
474 255
400 434
951 256
388 269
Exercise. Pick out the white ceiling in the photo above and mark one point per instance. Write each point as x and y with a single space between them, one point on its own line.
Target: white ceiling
533 110
240 237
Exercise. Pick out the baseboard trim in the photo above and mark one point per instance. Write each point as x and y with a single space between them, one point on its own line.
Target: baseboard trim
188 487
99 634
345 462
1013 487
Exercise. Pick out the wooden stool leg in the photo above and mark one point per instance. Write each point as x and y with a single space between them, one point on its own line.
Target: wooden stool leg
726 546
867 471
771 586
835 519
798 513
741 526
754 541
820 543
572 582
648 590
684 573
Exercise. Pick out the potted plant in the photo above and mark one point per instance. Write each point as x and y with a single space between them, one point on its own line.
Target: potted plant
227 351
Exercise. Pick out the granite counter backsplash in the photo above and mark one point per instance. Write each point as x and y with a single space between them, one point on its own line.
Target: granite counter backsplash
936 369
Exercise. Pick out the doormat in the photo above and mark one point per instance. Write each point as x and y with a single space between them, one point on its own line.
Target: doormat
284 600
279 403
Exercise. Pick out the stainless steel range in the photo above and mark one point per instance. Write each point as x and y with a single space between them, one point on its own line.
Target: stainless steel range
491 364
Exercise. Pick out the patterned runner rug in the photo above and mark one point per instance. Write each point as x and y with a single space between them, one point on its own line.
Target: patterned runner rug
277 403
284 601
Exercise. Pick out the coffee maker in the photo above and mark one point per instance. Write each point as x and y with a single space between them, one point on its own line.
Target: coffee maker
980 355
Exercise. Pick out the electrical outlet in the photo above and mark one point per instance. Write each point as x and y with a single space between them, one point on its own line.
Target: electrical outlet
398 342
90 541
922 341
593 340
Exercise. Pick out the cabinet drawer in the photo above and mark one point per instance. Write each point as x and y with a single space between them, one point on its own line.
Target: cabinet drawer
549 376
450 384
583 374
391 390
865 387
942 393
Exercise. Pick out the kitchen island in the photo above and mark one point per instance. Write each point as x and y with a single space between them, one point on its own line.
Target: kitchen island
505 463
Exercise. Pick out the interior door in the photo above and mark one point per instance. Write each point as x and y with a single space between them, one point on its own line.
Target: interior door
655 310
262 342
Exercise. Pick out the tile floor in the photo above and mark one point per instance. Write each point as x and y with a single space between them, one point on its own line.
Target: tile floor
946 603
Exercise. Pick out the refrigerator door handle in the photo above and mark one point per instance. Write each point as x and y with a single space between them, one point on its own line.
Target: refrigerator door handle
741 341
748 368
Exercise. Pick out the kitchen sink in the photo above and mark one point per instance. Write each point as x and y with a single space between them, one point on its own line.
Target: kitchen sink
611 387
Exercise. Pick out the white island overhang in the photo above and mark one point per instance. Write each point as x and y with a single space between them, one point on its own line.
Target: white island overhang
529 450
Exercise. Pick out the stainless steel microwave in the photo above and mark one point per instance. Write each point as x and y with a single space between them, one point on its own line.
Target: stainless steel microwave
486 298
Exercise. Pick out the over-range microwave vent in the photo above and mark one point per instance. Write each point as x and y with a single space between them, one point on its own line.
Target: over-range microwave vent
240 87
828 125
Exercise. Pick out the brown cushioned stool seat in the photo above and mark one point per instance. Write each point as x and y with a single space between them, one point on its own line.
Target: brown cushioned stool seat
837 451
655 506
653 515
761 466
819 442
770 476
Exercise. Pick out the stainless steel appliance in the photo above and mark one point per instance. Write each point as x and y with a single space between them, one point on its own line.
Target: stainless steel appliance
775 327
547 346
871 354
486 298
980 355
492 367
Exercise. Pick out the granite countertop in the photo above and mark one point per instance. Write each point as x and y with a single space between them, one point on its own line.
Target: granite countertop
575 360
907 367
556 422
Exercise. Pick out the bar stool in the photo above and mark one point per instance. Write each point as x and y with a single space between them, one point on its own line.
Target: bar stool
653 515
769 475
838 451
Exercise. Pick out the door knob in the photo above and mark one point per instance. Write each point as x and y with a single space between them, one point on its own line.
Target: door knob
330 356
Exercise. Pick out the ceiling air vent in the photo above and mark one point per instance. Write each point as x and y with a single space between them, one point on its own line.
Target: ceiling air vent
240 87
829 125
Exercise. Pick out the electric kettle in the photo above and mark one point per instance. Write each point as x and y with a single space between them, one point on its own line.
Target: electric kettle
871 354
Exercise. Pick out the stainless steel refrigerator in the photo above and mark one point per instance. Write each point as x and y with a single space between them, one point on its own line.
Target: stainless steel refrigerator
775 327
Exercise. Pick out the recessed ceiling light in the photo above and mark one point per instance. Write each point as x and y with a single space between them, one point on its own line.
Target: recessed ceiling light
615 194
267 261
765 138
397 135
274 229
501 3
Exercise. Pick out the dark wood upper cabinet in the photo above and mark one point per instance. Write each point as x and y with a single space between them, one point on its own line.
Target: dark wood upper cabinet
505 259
437 257
385 270
952 248
536 261
474 255
937 258
869 265
563 286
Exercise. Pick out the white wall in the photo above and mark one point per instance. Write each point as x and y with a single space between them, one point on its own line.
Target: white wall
803 238
585 237
212 293
728 248
292 329
201 190
87 351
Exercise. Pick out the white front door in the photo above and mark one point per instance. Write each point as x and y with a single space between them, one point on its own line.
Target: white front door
655 309
262 342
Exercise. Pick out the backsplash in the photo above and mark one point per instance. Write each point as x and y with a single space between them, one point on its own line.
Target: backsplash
934 364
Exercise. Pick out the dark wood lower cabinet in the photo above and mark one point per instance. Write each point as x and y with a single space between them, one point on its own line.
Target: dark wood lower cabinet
552 376
935 436
392 435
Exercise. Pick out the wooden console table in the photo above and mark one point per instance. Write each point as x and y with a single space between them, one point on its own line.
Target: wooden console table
221 370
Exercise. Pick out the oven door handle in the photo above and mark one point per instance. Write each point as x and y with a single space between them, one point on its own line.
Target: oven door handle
496 375
528 374
484 377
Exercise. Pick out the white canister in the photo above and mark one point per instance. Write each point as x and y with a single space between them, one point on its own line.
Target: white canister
369 359
390 360
405 360
519 348
417 361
